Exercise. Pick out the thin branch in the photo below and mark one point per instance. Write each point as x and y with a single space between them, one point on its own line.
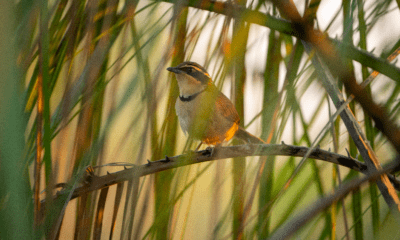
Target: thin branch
348 118
220 153
315 39
252 16
321 204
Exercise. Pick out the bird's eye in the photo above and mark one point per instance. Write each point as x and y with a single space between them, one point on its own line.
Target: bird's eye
189 70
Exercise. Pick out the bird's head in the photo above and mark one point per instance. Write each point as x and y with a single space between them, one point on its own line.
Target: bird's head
192 78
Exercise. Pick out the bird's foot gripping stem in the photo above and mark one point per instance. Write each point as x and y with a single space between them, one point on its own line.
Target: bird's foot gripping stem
209 152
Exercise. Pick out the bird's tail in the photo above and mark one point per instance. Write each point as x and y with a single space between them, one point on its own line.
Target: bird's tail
248 137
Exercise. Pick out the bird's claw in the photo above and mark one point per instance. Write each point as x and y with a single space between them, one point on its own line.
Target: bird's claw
209 151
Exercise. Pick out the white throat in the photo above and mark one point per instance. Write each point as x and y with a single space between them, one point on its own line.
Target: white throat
189 86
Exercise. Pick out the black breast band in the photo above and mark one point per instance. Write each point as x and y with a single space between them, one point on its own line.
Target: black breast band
190 98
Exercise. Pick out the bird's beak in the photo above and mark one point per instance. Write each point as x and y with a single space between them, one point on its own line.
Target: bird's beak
174 69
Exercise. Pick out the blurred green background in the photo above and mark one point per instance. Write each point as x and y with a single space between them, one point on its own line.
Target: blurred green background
84 83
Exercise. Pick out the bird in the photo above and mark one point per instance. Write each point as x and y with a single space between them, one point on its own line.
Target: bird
204 112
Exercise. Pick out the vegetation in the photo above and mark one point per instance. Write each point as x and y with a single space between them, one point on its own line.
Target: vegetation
87 119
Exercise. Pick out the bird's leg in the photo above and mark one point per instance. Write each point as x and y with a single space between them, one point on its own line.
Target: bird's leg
197 149
210 150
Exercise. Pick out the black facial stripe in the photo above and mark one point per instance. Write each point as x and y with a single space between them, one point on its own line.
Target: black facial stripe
187 70
202 76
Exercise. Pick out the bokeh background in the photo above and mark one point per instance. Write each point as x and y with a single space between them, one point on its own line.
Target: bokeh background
84 83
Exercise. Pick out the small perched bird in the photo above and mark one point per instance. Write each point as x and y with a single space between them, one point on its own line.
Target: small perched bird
204 112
